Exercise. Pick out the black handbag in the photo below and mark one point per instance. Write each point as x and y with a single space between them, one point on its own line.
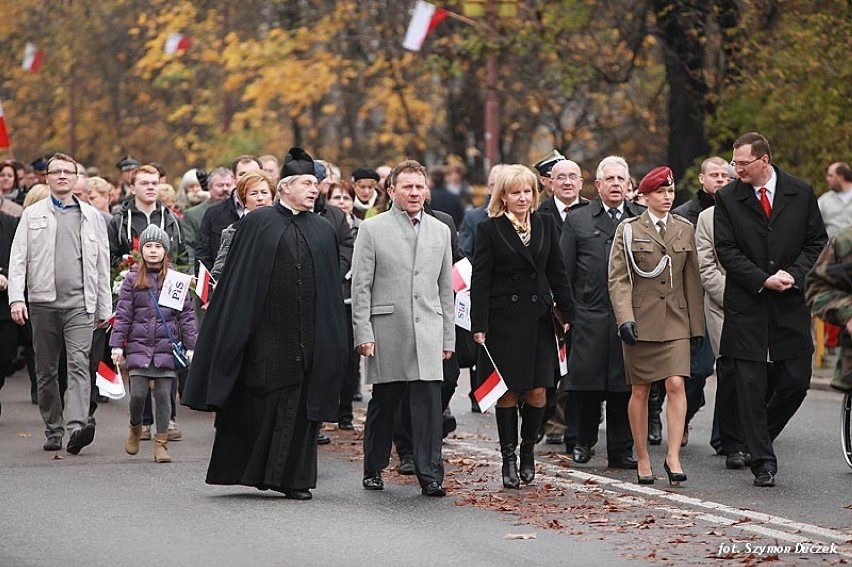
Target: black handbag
178 350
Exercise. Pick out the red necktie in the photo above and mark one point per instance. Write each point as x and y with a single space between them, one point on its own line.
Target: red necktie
764 202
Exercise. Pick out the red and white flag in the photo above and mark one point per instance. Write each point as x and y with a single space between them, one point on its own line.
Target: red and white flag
111 319
109 382
5 142
426 16
33 57
562 353
489 392
177 43
203 283
462 271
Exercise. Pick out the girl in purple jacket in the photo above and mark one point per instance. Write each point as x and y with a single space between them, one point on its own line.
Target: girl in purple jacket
139 334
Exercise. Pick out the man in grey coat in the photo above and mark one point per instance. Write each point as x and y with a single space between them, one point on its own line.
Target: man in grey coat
402 317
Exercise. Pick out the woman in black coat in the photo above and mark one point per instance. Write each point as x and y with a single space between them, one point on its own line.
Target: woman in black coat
518 272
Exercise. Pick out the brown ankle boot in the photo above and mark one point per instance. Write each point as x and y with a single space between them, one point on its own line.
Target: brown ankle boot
160 446
131 446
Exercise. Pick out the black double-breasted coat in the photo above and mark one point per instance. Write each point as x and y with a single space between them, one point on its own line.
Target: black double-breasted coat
513 288
752 248
596 361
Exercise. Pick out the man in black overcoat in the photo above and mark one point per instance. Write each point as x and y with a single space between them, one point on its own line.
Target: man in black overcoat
272 350
768 234
596 364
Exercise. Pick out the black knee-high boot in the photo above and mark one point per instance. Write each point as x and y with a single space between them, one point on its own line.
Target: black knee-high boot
531 418
507 429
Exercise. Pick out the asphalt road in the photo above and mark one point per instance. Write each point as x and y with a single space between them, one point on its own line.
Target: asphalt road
104 507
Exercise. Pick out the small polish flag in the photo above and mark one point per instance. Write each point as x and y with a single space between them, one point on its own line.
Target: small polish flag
5 142
177 43
109 381
111 319
462 271
425 18
562 352
33 57
203 283
490 391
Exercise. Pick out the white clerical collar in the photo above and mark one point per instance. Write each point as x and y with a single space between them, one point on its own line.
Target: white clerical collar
289 208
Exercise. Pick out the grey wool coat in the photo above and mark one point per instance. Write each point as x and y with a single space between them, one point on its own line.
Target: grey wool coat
402 296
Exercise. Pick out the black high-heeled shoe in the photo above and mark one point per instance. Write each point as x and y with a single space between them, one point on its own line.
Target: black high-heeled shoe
675 478
644 479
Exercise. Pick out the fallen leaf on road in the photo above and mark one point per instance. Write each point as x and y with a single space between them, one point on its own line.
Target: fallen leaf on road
519 536
25 435
57 457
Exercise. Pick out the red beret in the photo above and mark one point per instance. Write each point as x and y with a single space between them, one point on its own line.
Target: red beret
658 177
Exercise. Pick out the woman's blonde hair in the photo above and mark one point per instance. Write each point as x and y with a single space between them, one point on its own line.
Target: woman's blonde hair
99 185
509 177
37 192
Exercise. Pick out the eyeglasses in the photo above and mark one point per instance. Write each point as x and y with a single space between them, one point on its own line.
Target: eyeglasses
563 177
63 172
340 197
743 163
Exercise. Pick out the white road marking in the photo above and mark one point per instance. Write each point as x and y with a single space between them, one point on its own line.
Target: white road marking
792 531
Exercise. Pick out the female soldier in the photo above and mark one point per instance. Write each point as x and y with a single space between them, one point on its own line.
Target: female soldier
655 289
518 271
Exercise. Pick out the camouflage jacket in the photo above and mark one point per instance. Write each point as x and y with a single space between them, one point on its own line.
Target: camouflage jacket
829 295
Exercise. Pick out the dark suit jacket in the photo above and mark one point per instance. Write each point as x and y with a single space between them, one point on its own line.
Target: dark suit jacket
752 248
548 207
596 361
217 218
512 290
467 232
8 225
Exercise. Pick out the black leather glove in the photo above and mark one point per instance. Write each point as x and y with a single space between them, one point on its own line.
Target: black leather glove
203 175
695 343
628 333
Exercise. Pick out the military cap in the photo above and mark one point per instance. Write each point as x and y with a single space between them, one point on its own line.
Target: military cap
545 164
128 162
658 177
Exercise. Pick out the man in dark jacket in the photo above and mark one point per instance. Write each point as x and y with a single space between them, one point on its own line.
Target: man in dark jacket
768 234
566 182
135 216
8 328
596 365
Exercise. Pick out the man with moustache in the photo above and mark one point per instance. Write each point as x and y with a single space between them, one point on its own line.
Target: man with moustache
566 182
596 365
768 234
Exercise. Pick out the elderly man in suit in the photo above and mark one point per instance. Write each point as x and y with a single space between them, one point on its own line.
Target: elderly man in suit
768 234
402 317
596 366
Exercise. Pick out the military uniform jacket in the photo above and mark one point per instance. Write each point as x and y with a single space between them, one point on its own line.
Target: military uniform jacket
752 248
669 306
596 361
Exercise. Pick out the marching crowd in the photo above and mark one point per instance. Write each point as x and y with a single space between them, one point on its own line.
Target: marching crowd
316 277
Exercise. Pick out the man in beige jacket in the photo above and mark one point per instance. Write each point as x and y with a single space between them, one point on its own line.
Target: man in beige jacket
60 253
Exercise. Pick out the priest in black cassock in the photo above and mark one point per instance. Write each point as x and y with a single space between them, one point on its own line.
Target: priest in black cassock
273 347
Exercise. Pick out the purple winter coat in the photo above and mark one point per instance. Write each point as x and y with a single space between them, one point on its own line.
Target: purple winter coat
139 331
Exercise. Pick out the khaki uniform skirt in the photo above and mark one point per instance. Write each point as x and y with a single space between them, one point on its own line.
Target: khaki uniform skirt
648 362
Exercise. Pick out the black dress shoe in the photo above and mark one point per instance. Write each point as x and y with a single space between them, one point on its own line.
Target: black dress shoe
736 460
433 489
373 482
323 439
764 479
655 432
624 463
345 425
406 467
53 443
296 494
582 454
449 424
553 439
80 438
